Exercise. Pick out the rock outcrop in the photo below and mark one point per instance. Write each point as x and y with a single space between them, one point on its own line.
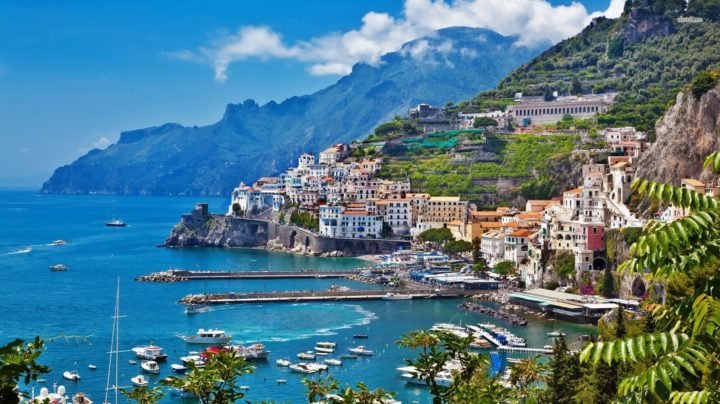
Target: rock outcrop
198 230
689 131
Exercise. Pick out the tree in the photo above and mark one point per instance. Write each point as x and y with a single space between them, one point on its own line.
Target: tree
437 236
484 122
318 388
18 361
144 395
281 218
476 254
457 246
217 381
505 268
608 283
565 371
577 87
563 263
675 359
236 209
480 266
548 95
526 373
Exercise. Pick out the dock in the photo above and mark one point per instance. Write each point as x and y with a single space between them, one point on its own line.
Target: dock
320 296
180 275
513 349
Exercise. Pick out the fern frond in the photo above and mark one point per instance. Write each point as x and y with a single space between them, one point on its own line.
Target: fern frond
678 196
689 397
713 161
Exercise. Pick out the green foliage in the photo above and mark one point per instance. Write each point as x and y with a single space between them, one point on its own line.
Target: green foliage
504 268
608 283
457 246
438 236
565 371
483 122
394 129
551 285
217 381
476 254
18 363
541 188
704 82
563 263
305 220
328 390
281 218
144 394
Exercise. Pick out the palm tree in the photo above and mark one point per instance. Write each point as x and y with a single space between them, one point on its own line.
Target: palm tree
679 361
526 373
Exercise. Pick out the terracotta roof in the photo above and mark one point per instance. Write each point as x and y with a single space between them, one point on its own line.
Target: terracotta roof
574 191
530 215
595 174
520 233
456 223
540 202
693 182
486 213
620 164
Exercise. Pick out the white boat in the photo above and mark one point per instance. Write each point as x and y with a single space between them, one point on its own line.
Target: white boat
396 296
245 388
309 355
325 344
196 308
283 362
132 362
71 375
303 368
281 381
360 350
150 367
410 375
115 223
58 268
324 350
150 352
81 398
334 362
548 347
211 336
177 368
322 353
59 242
139 380
252 352
198 360
555 334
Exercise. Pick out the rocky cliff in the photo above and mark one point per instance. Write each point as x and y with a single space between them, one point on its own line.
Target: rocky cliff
197 230
689 131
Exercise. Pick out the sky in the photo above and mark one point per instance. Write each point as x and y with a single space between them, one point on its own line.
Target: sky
75 74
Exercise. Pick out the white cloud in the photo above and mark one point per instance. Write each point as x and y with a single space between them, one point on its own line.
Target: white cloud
533 21
101 143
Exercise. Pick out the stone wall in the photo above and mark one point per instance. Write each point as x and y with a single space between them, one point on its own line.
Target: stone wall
204 230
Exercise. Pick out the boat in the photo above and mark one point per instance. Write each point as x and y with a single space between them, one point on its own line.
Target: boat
324 344
252 352
281 381
71 375
150 352
92 367
177 368
303 368
555 334
59 242
194 358
396 296
309 355
115 223
81 398
132 362
283 362
360 336
113 384
348 356
24 251
196 308
245 388
360 350
139 381
334 362
322 353
410 375
58 268
548 347
320 349
211 336
150 367
480 343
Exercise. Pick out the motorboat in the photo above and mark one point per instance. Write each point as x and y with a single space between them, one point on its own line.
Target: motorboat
59 242
480 343
59 268
81 398
246 388
196 359
139 381
177 368
71 375
194 308
324 344
348 356
57 396
322 353
360 336
92 367
320 349
555 334
396 296
115 223
150 352
443 378
360 350
309 355
132 362
283 363
334 362
281 381
303 368
211 336
252 352
150 367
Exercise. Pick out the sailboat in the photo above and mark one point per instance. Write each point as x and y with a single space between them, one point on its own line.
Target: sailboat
114 353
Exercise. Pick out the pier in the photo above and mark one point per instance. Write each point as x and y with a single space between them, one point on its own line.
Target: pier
180 275
514 349
315 296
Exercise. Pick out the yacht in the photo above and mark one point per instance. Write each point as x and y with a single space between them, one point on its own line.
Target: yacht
92 367
132 362
58 268
177 368
360 350
196 308
139 381
59 242
252 352
210 336
115 223
283 363
281 381
150 367
360 336
410 375
324 344
303 368
309 355
334 362
71 375
396 296
150 352
193 358
324 350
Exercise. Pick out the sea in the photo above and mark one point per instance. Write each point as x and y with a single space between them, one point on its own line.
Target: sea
72 311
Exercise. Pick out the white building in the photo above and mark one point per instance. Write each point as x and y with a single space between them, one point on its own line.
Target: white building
350 222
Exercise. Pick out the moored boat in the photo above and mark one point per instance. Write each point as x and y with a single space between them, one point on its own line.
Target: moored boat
303 368
360 336
59 268
555 334
309 355
139 381
360 350
211 336
81 398
196 359
324 350
177 368
325 344
150 352
71 375
396 296
281 381
115 223
348 356
92 367
252 352
334 362
283 363
150 367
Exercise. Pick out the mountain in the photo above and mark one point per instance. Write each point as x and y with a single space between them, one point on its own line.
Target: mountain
252 140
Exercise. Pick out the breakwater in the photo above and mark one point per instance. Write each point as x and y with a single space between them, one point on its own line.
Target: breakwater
180 275
309 296
479 308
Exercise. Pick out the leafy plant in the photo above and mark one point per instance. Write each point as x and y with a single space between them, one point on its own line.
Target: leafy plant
18 362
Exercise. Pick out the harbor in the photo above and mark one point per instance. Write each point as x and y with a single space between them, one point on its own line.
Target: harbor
319 296
181 275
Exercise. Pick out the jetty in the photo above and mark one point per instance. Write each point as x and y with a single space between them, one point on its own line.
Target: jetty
181 275
518 349
320 296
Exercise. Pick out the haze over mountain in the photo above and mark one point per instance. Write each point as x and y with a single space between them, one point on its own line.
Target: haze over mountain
252 140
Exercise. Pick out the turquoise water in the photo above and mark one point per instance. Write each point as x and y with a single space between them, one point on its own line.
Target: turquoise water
72 309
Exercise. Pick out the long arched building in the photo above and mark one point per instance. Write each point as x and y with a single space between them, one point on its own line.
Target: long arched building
528 111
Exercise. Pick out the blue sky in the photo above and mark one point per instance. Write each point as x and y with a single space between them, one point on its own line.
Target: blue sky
73 75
